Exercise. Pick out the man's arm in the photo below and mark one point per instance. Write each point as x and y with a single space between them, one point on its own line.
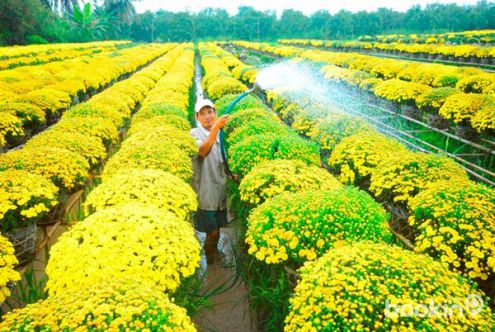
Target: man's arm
205 148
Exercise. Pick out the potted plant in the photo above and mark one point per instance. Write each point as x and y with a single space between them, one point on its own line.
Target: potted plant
26 198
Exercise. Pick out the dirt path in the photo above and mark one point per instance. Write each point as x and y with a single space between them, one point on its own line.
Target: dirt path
230 309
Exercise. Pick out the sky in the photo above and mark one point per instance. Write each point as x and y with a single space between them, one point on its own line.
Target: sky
306 6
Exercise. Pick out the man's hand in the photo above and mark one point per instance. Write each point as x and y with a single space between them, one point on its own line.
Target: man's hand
220 122
234 177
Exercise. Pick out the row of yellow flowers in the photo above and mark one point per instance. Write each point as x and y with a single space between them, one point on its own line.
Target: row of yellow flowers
52 52
395 175
293 223
32 95
470 36
7 52
58 160
467 79
427 87
118 269
435 75
456 51
448 233
475 109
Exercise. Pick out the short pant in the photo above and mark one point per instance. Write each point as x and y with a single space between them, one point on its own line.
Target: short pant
208 221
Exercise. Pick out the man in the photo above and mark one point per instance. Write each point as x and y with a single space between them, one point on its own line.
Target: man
210 178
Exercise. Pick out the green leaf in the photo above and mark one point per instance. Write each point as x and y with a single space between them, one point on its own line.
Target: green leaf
78 15
87 11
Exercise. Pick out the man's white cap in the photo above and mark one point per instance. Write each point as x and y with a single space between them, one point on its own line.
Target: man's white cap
202 103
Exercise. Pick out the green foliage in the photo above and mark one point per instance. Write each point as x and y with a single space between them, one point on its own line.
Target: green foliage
334 128
255 127
270 287
28 290
21 20
278 177
35 39
246 116
299 227
118 20
85 26
255 149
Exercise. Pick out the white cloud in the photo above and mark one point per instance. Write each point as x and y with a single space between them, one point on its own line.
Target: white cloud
306 6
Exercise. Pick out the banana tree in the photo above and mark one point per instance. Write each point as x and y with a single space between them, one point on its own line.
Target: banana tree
86 26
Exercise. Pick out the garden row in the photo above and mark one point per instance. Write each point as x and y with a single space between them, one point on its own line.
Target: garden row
469 80
464 37
353 160
462 95
35 96
463 53
9 52
54 164
297 214
12 57
120 267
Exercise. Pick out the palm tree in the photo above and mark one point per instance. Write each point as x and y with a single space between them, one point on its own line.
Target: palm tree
61 7
123 9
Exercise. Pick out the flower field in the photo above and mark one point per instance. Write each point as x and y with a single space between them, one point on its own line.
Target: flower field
340 226
432 49
464 37
290 224
461 95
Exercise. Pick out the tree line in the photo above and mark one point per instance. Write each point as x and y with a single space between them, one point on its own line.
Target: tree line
48 21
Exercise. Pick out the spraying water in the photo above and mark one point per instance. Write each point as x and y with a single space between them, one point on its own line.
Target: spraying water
290 76
303 83
298 82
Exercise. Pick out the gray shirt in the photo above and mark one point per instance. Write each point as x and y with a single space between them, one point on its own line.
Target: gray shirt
209 179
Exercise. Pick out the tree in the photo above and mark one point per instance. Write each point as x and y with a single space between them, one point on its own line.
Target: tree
212 23
143 27
123 9
390 21
319 24
61 7
293 24
478 15
247 23
23 21
181 27
38 21
343 24
85 25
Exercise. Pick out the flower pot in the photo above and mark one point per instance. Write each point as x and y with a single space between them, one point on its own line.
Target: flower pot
399 216
75 100
411 112
24 241
474 59
466 131
438 121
